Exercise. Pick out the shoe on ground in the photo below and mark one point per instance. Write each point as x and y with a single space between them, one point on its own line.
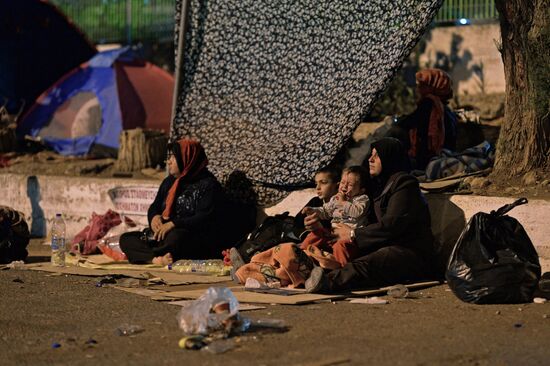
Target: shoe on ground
237 262
317 282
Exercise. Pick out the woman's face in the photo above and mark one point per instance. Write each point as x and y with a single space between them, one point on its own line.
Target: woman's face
173 168
375 164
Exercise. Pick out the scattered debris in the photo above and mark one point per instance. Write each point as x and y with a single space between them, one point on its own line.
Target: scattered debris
16 265
128 330
192 342
398 291
375 300
90 343
214 317
539 300
219 346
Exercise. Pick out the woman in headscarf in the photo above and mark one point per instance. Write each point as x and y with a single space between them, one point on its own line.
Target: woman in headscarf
396 245
184 215
432 125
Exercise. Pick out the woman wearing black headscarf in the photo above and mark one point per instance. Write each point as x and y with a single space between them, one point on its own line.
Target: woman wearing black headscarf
396 246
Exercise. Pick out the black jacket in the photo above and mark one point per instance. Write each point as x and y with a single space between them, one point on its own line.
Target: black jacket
398 216
196 205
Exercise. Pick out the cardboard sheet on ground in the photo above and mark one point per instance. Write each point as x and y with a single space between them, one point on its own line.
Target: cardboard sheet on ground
292 297
242 307
259 298
165 276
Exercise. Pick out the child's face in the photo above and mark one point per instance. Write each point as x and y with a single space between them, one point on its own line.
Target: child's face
343 186
324 186
354 185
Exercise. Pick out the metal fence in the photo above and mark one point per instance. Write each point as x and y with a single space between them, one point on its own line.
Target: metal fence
468 10
131 21
121 21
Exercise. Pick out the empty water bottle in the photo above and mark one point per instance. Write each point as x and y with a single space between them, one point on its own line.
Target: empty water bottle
214 267
58 241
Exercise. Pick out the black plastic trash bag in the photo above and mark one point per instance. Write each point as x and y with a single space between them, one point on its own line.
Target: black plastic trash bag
494 261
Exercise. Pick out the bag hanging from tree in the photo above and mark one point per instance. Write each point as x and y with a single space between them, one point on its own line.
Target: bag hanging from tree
494 261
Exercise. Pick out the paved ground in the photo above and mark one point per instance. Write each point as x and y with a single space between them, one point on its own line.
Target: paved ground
433 328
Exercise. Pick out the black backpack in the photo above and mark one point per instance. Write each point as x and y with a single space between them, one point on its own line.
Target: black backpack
273 230
14 235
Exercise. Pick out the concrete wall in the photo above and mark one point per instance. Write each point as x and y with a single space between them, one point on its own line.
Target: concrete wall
41 197
471 55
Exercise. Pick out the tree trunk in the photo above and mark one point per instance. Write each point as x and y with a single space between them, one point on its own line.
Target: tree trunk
524 142
140 149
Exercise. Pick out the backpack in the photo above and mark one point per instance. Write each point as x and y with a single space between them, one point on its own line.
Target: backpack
14 235
273 230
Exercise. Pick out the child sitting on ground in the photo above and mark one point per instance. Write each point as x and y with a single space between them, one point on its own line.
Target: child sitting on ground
326 186
327 181
348 206
289 263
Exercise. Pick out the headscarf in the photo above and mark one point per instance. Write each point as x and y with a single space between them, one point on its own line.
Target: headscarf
191 161
436 85
394 159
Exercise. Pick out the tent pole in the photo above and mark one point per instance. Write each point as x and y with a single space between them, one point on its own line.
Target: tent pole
179 59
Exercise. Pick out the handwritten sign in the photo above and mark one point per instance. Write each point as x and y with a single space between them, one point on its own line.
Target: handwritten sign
133 200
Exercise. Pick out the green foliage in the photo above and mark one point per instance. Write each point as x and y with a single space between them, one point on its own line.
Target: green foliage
398 99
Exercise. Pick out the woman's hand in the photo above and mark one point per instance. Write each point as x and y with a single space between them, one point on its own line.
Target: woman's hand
312 221
342 232
163 230
156 223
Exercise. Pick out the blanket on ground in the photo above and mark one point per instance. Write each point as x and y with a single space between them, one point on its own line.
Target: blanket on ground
471 160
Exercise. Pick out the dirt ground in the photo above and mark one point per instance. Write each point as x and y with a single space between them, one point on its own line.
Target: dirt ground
432 327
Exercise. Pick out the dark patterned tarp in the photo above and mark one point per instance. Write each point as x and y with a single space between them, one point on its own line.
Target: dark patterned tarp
275 88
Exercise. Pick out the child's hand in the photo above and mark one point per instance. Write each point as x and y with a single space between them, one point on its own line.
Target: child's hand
340 198
312 221
307 211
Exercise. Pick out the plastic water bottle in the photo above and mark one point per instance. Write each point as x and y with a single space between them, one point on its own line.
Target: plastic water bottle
58 241
213 267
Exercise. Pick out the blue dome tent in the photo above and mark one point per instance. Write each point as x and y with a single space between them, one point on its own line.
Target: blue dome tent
86 109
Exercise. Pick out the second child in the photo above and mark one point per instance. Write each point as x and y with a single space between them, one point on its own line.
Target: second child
348 206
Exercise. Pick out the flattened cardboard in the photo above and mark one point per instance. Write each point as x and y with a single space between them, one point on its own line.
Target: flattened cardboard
384 290
259 298
169 278
242 307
